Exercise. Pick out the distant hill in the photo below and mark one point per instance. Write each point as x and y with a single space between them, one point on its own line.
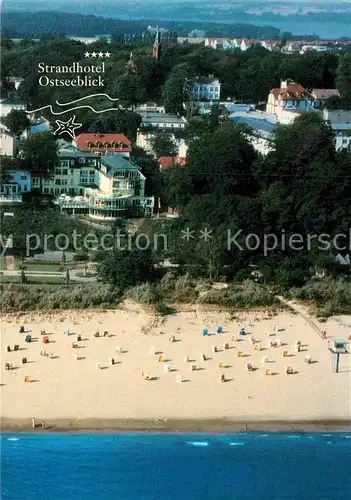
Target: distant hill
38 24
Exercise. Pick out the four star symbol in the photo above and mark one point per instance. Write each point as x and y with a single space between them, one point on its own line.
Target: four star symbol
67 127
205 235
97 54
187 235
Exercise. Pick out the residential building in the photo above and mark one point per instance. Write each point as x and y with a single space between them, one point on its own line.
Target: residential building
75 172
149 107
104 144
161 121
246 44
204 88
145 140
269 44
290 97
320 96
7 105
116 189
18 182
340 122
166 162
7 142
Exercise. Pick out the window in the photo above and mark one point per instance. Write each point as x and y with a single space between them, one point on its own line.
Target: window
92 172
23 177
58 182
46 190
72 162
65 163
81 160
11 177
64 171
25 188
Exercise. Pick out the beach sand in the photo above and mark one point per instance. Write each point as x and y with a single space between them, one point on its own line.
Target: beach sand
70 393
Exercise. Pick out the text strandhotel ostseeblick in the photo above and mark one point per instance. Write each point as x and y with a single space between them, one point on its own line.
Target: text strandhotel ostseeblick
88 75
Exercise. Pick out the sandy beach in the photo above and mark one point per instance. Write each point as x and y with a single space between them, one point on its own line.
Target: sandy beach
70 391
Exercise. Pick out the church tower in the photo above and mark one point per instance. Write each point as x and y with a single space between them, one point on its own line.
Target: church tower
156 49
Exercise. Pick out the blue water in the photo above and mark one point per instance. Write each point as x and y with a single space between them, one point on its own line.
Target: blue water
175 466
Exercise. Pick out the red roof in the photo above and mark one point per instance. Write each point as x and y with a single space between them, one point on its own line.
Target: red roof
103 142
291 91
169 161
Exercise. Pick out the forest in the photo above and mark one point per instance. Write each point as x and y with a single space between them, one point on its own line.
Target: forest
300 190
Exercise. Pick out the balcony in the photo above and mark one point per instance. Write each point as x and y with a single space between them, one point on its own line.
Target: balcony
10 198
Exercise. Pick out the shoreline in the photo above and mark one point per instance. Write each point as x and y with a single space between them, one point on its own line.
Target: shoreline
94 425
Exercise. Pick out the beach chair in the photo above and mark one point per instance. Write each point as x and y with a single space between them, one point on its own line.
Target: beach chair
98 366
233 338
105 333
204 332
308 359
152 351
242 331
161 359
193 368
285 354
97 334
111 361
179 378
45 339
219 330
289 370
268 372
21 329
74 345
171 338
221 364
278 343
166 368
8 348
7 366
79 338
214 349
26 379
222 377
249 367
257 346
240 354
28 338
186 359
42 332
264 360
203 357
226 346
119 349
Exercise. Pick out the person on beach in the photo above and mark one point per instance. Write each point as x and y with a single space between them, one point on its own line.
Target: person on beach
43 424
33 422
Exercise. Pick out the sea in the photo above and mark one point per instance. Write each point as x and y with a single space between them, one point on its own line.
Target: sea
150 466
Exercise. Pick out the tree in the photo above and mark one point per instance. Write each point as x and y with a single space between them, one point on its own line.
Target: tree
16 121
39 152
175 91
126 268
163 145
344 76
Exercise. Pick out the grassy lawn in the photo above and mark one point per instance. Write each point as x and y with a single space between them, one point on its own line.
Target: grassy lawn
2 263
33 280
55 267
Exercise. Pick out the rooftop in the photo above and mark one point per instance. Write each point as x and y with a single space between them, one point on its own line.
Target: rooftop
150 118
102 142
325 93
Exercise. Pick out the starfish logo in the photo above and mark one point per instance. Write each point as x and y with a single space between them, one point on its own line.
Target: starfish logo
67 127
